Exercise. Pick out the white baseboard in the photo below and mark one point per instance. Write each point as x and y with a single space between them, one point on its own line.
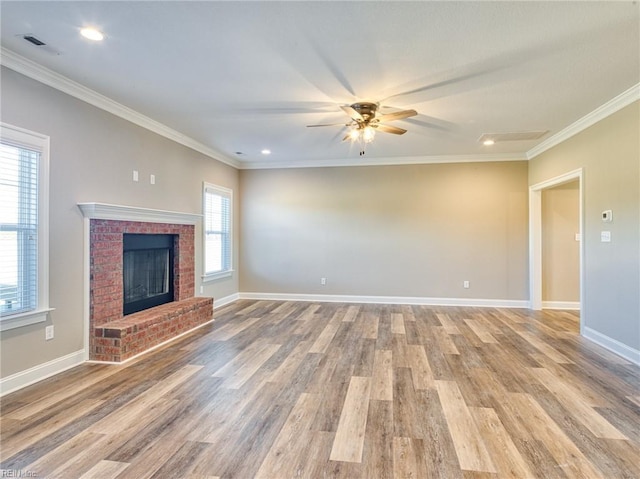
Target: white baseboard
218 303
573 305
40 372
612 345
326 298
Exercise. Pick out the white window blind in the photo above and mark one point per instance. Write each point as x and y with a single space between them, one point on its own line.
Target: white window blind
23 237
217 231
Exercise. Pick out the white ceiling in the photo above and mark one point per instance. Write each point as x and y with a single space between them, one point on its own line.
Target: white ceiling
244 76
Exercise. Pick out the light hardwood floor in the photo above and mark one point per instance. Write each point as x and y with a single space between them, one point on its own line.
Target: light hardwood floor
307 390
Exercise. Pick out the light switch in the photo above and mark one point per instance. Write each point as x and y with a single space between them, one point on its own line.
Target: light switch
605 236
135 175
152 179
578 237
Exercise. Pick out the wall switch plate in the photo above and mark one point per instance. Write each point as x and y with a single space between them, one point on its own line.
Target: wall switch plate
465 284
323 281
152 179
135 175
607 216
578 237
48 333
605 236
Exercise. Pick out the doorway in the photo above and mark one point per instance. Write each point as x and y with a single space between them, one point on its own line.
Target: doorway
538 287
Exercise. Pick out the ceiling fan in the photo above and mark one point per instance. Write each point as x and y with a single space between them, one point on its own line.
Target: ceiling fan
366 120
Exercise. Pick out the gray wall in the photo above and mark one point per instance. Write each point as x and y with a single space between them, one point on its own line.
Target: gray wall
560 250
609 152
416 231
93 154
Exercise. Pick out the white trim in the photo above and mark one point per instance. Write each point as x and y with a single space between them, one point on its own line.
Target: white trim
41 143
24 319
339 298
535 237
361 161
572 305
222 192
163 343
219 303
40 372
612 345
624 99
59 82
104 211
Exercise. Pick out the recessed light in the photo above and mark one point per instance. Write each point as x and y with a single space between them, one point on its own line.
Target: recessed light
488 142
266 152
92 34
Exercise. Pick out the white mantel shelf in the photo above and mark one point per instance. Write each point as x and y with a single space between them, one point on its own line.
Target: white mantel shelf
104 211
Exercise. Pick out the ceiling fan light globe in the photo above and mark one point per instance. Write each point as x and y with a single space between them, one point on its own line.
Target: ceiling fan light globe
354 134
368 134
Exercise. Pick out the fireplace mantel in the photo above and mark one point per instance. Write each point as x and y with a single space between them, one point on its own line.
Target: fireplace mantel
105 211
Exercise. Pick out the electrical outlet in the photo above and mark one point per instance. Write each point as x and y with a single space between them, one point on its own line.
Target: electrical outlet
465 284
48 333
323 281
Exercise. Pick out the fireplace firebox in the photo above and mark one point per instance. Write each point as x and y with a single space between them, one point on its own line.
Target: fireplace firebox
147 271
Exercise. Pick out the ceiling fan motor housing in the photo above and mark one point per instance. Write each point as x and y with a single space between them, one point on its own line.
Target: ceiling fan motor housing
366 109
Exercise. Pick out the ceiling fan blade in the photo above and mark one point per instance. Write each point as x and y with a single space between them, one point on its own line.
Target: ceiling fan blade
328 124
390 129
398 115
352 113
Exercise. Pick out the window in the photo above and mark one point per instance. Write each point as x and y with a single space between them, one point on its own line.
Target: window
23 227
217 231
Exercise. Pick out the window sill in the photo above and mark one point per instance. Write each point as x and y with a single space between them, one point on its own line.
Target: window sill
215 276
24 319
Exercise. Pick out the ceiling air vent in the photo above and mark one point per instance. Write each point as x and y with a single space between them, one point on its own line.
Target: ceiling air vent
34 40
513 136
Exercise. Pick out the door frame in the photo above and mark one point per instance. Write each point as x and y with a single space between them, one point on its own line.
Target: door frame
535 237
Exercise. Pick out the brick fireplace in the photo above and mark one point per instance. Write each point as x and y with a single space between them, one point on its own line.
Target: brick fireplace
113 336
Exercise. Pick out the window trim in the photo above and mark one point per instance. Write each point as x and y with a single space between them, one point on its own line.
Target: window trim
35 141
222 191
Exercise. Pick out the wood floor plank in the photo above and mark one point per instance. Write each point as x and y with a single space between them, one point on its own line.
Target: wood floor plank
503 451
577 405
481 331
569 458
382 382
229 330
447 324
407 458
61 394
470 448
282 458
249 368
349 441
351 314
105 470
544 348
326 336
447 346
421 372
397 323
27 437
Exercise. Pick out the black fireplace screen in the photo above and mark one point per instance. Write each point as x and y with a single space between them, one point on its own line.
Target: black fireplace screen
147 270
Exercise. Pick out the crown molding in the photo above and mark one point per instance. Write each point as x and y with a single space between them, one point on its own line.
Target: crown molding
384 161
50 78
626 98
